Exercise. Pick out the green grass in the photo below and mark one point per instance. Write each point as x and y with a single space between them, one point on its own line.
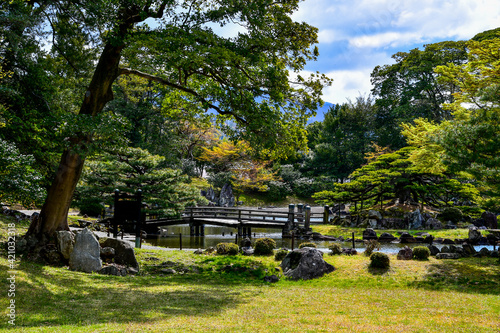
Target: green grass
226 294
335 230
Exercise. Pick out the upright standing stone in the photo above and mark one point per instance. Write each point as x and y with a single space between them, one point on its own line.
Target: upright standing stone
65 243
86 255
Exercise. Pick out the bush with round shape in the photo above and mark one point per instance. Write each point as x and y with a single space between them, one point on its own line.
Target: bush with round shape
379 260
307 244
230 249
421 253
280 254
452 214
264 246
335 249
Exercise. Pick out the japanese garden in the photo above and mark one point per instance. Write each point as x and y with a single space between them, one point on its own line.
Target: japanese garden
175 166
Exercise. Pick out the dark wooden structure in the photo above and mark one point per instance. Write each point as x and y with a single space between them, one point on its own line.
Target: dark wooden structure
128 214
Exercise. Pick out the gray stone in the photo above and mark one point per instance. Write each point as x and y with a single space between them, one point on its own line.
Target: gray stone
271 278
86 255
484 252
247 251
415 219
168 271
490 220
434 250
226 198
405 253
433 224
468 249
65 243
447 256
369 233
113 270
386 237
124 252
306 263
107 253
373 214
372 223
445 249
474 235
406 238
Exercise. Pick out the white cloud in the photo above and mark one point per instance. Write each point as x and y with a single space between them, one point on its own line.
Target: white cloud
347 84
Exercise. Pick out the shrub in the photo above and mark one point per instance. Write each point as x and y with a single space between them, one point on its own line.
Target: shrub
421 252
335 248
227 248
371 245
379 260
452 214
280 254
264 246
278 190
91 207
307 244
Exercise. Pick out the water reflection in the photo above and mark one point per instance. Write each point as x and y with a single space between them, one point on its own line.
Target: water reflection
216 234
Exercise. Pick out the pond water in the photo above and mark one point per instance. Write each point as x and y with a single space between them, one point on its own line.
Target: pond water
216 234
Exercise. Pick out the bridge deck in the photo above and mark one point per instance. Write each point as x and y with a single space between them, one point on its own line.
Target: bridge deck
218 222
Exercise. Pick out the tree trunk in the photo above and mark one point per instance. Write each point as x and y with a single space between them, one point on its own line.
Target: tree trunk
54 214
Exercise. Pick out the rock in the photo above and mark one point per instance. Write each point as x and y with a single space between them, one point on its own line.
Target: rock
65 242
448 241
386 237
124 252
349 252
405 253
433 224
306 263
168 271
372 223
245 242
415 219
113 270
494 254
247 251
406 238
86 255
373 214
199 251
107 253
226 198
474 235
369 233
271 278
484 252
490 220
445 249
429 239
468 249
434 250
450 226
447 256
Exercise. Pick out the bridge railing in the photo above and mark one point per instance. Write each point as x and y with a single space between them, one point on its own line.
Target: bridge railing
305 216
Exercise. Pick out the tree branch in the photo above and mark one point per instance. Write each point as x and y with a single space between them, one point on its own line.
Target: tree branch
129 71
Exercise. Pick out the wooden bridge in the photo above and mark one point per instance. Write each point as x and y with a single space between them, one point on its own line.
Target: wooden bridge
243 219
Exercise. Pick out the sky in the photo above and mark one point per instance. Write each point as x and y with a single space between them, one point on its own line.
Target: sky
357 35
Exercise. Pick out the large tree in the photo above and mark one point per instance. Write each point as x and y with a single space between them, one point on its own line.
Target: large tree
243 78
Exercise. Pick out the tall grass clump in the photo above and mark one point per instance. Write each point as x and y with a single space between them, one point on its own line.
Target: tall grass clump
421 253
371 245
307 244
280 254
264 246
379 260
227 249
335 249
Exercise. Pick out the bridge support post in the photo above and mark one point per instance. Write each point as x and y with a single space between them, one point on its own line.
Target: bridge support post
202 230
240 230
249 232
307 223
191 229
300 211
197 230
326 214
289 225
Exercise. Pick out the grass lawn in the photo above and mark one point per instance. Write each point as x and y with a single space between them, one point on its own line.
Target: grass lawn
227 294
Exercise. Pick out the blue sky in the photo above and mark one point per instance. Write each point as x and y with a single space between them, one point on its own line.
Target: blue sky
357 35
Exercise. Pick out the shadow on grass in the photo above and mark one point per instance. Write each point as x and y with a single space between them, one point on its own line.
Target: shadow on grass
470 275
55 296
378 271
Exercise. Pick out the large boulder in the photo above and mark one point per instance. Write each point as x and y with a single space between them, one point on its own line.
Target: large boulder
369 233
124 252
433 249
386 237
490 220
433 224
406 238
474 235
86 255
65 243
305 263
373 214
405 253
415 219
